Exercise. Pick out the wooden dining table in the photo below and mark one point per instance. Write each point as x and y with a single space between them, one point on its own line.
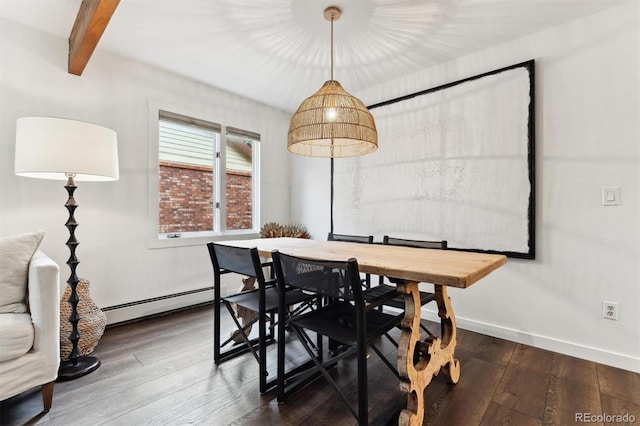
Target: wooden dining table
443 268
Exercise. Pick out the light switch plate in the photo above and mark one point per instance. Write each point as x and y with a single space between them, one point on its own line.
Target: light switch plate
611 196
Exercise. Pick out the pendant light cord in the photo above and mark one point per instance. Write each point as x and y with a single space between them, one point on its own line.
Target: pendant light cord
332 19
331 212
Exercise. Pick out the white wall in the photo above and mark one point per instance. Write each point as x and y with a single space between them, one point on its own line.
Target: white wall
112 216
587 137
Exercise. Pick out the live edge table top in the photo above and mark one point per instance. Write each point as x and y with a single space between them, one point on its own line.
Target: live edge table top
443 267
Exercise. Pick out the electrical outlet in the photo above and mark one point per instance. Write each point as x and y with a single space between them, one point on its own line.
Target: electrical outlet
610 310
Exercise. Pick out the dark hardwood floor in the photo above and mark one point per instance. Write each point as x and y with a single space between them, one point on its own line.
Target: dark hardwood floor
160 372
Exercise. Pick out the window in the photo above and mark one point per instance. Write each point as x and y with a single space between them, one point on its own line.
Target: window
239 174
196 160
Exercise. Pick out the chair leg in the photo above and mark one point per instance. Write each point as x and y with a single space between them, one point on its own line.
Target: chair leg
47 396
280 362
363 394
262 352
216 321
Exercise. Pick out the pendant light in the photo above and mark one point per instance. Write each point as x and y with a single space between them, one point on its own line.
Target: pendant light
331 122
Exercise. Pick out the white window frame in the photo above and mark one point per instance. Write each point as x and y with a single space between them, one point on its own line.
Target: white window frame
157 240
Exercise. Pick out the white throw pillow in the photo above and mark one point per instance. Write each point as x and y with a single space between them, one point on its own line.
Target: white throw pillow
15 254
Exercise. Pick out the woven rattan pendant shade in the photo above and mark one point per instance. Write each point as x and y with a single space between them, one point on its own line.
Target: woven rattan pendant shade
331 122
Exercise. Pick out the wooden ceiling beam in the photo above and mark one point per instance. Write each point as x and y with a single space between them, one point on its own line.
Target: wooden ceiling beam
93 18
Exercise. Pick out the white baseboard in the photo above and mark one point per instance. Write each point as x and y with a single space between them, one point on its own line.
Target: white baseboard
625 362
203 293
144 309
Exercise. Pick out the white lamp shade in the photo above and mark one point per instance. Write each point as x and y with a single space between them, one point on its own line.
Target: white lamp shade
52 148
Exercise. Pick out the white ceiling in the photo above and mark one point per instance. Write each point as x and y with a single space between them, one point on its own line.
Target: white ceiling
278 51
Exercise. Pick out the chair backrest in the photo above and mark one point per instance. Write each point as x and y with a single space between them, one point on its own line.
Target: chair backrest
350 238
414 243
364 239
244 261
323 277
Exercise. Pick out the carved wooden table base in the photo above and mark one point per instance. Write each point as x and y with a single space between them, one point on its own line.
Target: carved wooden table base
435 352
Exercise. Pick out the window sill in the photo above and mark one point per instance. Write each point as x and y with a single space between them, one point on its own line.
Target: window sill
200 238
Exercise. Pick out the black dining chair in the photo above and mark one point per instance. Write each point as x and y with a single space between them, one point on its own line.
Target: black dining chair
344 317
263 300
363 239
382 289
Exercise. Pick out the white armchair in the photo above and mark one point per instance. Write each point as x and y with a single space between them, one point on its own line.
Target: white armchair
30 341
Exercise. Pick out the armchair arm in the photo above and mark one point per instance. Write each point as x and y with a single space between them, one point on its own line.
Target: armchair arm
44 305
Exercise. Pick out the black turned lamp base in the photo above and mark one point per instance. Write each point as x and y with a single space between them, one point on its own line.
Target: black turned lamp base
84 366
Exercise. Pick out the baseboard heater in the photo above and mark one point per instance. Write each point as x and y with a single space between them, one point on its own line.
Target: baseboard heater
158 299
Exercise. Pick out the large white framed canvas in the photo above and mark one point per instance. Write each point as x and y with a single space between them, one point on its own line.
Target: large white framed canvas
454 163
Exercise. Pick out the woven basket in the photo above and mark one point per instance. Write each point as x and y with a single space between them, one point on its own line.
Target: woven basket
91 325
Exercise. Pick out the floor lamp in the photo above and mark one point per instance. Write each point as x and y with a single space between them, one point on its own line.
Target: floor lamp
61 149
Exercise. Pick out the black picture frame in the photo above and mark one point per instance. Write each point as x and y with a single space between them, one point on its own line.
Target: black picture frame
529 67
